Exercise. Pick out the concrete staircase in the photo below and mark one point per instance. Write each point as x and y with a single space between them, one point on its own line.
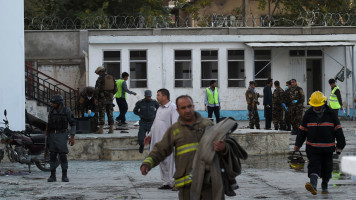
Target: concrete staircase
36 110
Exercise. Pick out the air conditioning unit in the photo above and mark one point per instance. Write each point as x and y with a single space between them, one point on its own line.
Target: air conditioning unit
341 74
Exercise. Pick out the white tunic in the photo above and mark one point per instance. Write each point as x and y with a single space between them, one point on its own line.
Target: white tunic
165 116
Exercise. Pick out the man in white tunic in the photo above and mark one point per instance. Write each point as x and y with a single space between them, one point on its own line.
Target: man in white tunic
166 116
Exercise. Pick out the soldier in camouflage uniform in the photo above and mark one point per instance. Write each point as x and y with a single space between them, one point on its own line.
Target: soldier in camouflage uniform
252 102
277 109
105 89
296 107
287 101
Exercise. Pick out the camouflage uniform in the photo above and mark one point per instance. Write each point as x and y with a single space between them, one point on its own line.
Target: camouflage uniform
252 102
105 98
296 109
277 109
287 116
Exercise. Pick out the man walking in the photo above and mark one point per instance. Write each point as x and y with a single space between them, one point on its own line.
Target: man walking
184 136
287 102
267 103
296 107
146 109
105 89
252 102
320 127
335 97
121 96
58 119
277 109
166 116
212 101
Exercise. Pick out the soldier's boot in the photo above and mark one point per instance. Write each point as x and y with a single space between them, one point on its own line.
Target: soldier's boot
111 129
311 186
52 178
289 128
100 130
276 127
64 176
257 126
324 186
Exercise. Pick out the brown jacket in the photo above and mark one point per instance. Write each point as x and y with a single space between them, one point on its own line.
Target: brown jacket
185 140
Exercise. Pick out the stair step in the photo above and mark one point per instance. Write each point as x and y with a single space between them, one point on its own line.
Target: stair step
121 154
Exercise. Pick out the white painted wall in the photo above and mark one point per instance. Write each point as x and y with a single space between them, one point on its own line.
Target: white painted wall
12 76
161 63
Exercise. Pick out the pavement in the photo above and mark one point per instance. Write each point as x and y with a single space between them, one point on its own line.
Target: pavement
263 177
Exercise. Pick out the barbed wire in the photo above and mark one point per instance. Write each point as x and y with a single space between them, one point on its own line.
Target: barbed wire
214 20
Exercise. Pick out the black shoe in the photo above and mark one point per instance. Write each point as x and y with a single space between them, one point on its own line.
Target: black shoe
165 187
64 176
324 187
52 179
124 123
141 149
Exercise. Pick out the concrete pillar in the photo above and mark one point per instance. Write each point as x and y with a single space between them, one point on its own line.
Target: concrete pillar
12 56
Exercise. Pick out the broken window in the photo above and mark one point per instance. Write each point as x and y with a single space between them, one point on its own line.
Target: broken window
209 66
183 68
236 68
262 67
138 69
112 63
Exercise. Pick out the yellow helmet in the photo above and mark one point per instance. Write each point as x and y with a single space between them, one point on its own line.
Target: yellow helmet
99 69
317 99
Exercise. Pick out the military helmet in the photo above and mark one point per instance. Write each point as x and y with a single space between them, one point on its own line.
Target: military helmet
317 99
99 69
56 99
296 161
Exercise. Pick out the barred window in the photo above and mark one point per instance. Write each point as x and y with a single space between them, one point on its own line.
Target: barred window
262 73
236 68
183 68
112 60
209 66
138 68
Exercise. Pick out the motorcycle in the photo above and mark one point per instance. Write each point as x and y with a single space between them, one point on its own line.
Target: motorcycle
22 147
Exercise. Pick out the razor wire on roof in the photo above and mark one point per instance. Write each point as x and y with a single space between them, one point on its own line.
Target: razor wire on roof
214 20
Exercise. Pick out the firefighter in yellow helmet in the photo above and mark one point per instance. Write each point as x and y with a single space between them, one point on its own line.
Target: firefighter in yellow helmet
320 128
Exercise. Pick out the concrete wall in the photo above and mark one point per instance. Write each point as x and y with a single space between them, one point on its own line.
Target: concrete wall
12 82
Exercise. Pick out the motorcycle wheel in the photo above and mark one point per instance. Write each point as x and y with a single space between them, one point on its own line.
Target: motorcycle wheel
43 166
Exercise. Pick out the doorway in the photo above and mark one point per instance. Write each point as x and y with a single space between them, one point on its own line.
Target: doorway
314 76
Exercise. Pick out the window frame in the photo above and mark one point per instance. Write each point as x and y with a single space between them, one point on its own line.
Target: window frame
201 67
138 61
244 67
112 61
268 61
191 68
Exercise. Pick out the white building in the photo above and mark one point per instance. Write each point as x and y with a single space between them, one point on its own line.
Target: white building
185 60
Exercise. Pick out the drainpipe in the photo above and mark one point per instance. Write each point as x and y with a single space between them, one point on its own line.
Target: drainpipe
86 67
347 91
353 84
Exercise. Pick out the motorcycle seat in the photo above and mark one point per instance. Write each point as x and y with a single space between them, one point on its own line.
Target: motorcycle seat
38 139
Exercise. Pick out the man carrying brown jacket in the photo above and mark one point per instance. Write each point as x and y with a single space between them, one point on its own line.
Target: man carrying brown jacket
184 136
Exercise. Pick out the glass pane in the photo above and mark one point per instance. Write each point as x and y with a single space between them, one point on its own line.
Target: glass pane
235 55
138 70
138 84
183 54
236 69
297 53
209 70
266 72
111 55
183 83
260 83
138 55
209 55
262 54
315 53
183 70
236 83
205 83
113 69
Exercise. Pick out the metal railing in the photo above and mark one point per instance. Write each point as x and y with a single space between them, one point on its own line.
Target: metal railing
214 20
41 87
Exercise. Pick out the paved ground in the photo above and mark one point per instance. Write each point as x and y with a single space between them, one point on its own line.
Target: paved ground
263 177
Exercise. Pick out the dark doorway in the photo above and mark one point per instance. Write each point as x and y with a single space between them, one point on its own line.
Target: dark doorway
314 76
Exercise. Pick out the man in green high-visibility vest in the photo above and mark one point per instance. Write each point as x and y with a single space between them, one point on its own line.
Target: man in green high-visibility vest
212 101
121 98
335 100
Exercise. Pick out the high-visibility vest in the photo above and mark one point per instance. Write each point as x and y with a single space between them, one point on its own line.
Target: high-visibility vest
119 88
212 99
334 102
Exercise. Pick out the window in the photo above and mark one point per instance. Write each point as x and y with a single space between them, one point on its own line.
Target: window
262 58
296 53
236 68
209 66
183 68
138 69
112 63
314 53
